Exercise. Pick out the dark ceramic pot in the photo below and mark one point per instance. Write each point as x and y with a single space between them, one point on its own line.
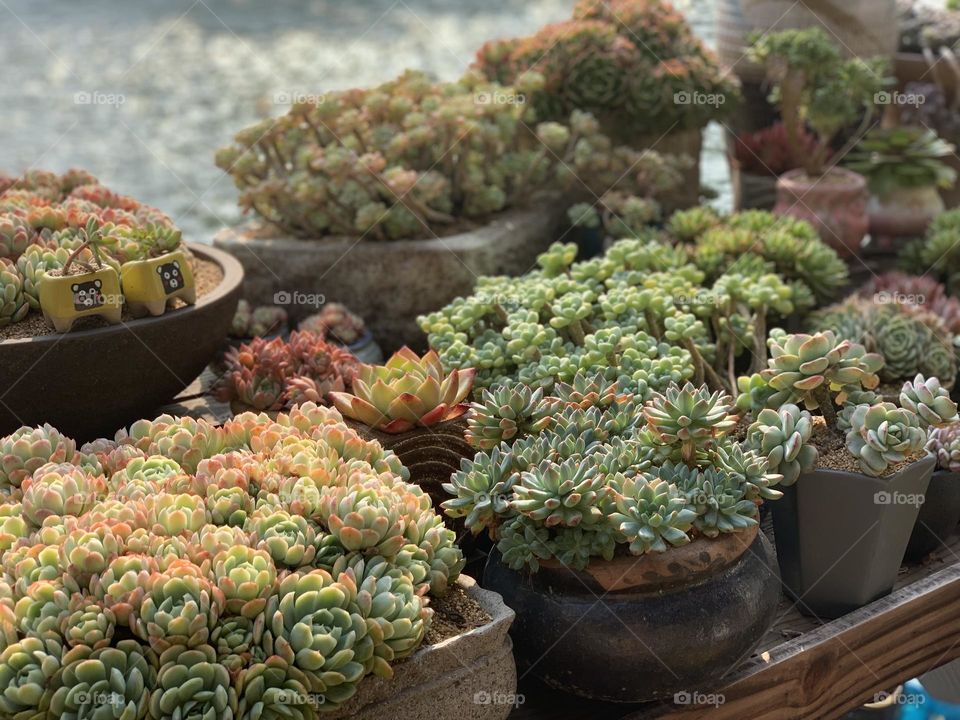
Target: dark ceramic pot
640 629
841 535
90 383
835 204
938 517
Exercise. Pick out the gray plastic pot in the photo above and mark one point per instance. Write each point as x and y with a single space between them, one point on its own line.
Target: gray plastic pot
841 536
939 515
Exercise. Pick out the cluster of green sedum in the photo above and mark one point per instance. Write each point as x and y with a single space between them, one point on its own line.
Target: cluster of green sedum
259 569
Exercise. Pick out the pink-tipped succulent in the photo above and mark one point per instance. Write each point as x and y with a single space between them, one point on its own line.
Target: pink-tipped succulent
408 391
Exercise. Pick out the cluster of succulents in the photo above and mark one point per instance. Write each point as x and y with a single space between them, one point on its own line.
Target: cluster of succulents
413 158
838 379
335 322
259 569
262 320
275 374
45 217
769 151
635 64
408 391
910 339
690 303
813 86
618 214
944 442
937 254
594 469
922 291
902 157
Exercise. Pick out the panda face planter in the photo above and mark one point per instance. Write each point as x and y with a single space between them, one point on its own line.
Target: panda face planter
64 298
150 286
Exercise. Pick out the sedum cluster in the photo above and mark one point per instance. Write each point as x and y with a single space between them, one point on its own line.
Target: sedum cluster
413 158
635 64
260 569
44 217
910 339
276 374
593 469
837 378
692 303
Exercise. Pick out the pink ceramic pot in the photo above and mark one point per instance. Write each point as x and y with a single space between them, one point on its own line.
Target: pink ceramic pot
835 204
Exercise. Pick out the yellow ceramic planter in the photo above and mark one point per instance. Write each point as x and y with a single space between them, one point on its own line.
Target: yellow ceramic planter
65 298
150 286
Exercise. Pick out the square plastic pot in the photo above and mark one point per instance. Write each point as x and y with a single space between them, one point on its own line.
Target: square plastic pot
938 517
841 536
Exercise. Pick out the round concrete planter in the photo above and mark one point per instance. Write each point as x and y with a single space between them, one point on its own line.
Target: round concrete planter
387 283
468 677
938 517
640 629
841 536
89 383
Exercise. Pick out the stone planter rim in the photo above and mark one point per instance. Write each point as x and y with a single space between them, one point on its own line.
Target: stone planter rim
232 277
798 184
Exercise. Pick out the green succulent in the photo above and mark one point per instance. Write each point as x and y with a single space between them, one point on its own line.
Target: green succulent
882 435
363 518
87 623
719 501
689 418
524 543
238 641
929 400
228 505
40 609
783 436
944 442
28 671
505 413
565 494
104 683
482 489
175 513
191 683
27 449
123 584
314 624
750 470
84 554
274 690
13 303
58 489
650 514
246 577
33 264
289 539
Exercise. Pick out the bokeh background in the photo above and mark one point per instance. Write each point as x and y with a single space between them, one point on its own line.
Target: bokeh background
141 93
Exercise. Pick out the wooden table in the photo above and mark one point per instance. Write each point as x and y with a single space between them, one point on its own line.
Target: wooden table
803 668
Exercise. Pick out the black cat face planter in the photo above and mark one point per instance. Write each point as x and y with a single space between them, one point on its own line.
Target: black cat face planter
642 628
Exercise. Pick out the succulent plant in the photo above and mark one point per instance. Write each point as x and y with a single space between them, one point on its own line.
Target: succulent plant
505 413
274 689
289 539
123 584
103 683
936 255
482 490
28 670
363 518
246 577
175 513
58 489
902 157
335 322
564 494
407 391
87 623
191 682
944 442
13 303
689 416
929 400
27 449
394 180
650 514
882 435
783 436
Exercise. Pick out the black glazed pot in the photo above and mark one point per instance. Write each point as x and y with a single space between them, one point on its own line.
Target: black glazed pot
939 515
841 535
640 629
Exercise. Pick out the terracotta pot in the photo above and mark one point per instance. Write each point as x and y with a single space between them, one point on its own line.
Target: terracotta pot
904 212
642 628
841 535
835 204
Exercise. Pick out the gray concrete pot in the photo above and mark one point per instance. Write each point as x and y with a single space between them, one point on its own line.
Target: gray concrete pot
841 536
938 517
387 283
90 383
468 677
